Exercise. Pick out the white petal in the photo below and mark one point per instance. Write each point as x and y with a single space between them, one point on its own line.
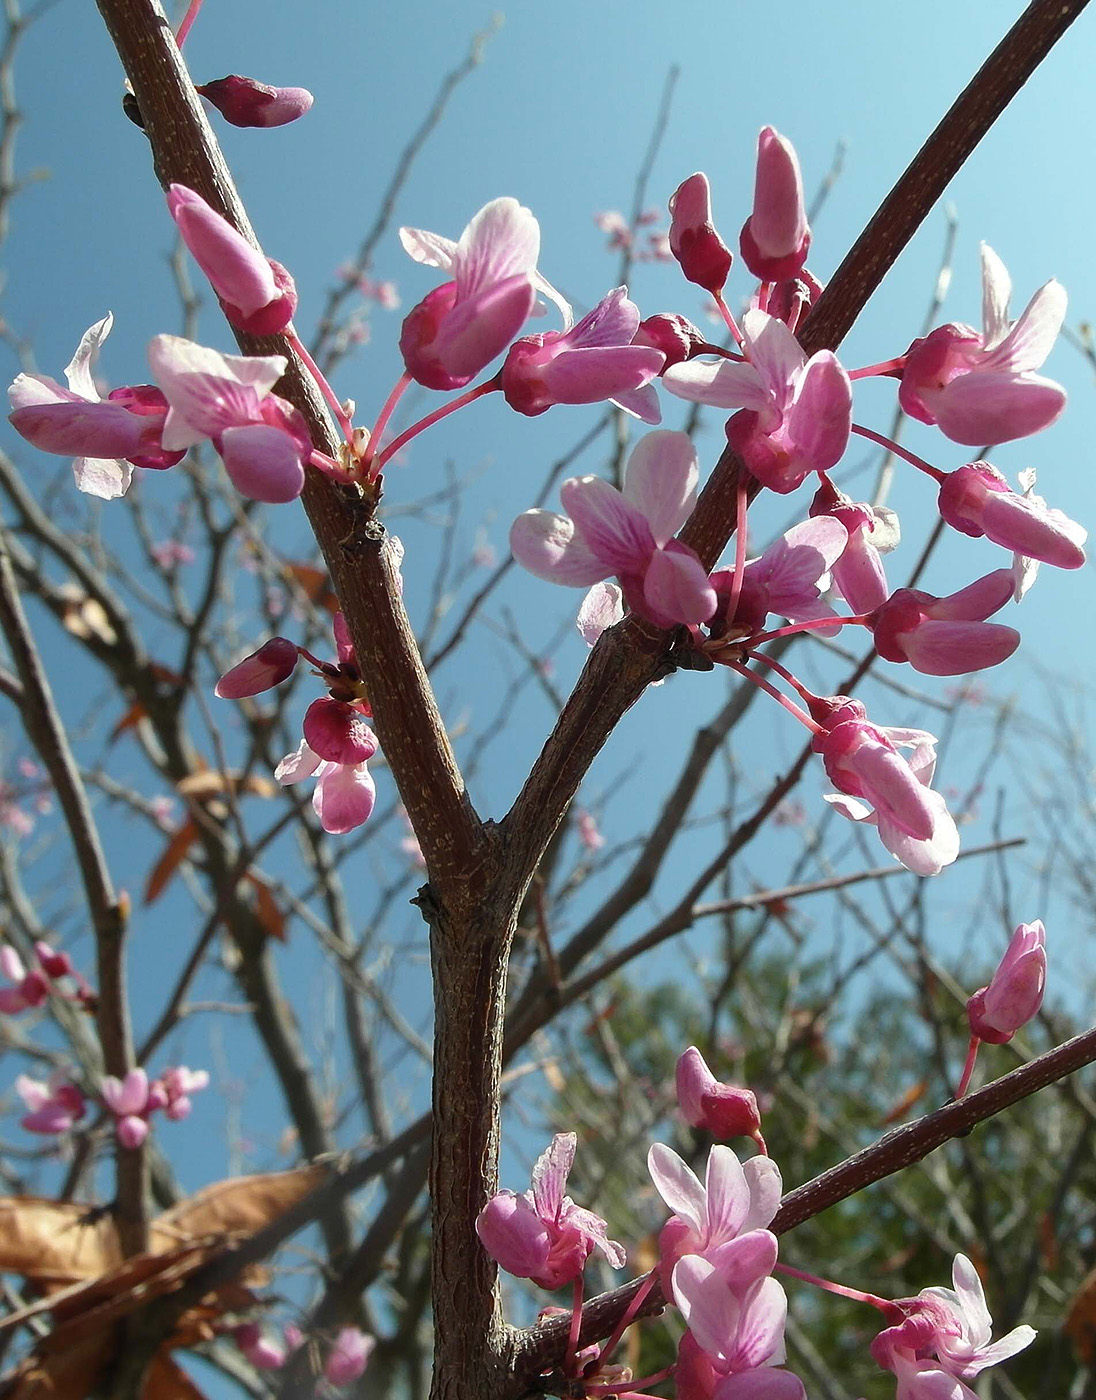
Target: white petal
78 371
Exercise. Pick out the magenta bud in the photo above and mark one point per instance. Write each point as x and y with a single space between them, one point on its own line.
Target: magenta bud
247 102
705 259
776 236
1015 992
53 963
676 337
272 318
977 500
720 1109
262 670
348 1356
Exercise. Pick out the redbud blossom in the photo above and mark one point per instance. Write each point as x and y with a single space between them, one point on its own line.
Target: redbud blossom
873 531
705 259
107 437
863 763
723 1110
348 1357
977 500
263 1353
944 1339
593 361
1015 992
674 335
725 1219
789 578
776 236
461 326
345 793
257 295
30 989
273 663
128 1100
55 1105
247 102
947 636
628 533
980 388
542 1235
796 412
262 440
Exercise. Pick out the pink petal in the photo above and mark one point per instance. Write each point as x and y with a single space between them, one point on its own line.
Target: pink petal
926 857
338 732
602 608
859 575
745 1260
501 241
764 1383
678 1185
976 602
820 419
11 964
1032 337
128 1095
513 1234
641 403
344 798
1020 524
273 663
613 529
761 1328
237 271
348 1356
728 384
34 1092
430 249
297 766
993 406
480 327
131 1131
263 463
106 478
79 372
710 1309
209 392
676 587
728 1194
548 546
955 648
996 294
81 429
12 1001
766 1187
593 375
774 352
612 322
550 1172
248 103
660 481
893 789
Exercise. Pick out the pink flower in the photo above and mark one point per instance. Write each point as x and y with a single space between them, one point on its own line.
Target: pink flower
705 259
954 1326
873 531
980 388
796 413
177 1085
592 361
55 1105
977 500
30 988
263 1353
345 793
247 102
776 236
256 294
628 533
588 832
724 1220
721 1109
129 1100
461 326
947 636
789 578
863 763
107 437
739 1333
542 1235
169 554
262 440
348 1357
1015 992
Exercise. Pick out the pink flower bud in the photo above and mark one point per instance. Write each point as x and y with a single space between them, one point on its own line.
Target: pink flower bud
257 295
947 636
977 500
676 337
776 236
705 259
53 963
263 669
348 1356
338 732
263 1354
705 1102
1015 993
247 102
126 1096
131 1131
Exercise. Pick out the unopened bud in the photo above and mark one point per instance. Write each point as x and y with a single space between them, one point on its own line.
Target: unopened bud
705 259
247 102
1015 992
723 1110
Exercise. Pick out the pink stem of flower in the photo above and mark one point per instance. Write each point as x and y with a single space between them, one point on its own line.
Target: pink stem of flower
764 292
721 351
725 312
762 1149
790 705
883 367
968 1068
854 1293
312 660
633 1307
322 462
186 22
781 670
401 386
911 457
569 1358
741 506
324 387
625 1388
861 620
469 396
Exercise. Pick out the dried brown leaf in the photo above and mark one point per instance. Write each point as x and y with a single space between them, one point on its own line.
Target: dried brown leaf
266 906
53 1244
315 585
901 1109
173 856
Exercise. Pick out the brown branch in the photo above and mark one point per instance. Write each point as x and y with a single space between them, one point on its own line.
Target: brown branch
108 913
541 1348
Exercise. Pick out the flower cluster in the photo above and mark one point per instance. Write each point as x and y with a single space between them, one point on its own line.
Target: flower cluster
56 1105
346 1360
47 974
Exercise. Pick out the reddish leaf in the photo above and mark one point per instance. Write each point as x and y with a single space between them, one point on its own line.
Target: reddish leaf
129 720
905 1103
315 585
266 906
173 856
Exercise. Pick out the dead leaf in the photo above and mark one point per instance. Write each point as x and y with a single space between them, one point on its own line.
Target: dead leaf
266 906
905 1103
129 720
173 856
208 783
315 585
240 1205
55 1243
